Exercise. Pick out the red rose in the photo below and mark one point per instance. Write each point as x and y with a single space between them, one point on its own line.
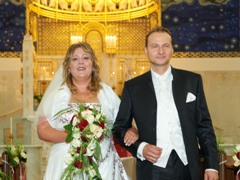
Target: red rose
84 139
78 164
82 125
90 159
78 149
102 125
238 155
89 108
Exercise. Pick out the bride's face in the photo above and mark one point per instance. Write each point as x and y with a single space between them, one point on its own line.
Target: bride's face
81 65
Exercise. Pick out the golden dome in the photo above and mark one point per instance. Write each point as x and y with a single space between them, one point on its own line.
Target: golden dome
93 10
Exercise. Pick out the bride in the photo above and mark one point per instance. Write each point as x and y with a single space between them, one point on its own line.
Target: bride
78 81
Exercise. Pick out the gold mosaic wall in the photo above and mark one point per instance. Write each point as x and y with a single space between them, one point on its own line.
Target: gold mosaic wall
54 36
131 36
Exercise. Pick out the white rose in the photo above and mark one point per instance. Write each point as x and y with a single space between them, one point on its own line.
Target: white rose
16 159
88 116
238 147
76 134
236 161
76 143
24 155
86 113
68 159
92 172
90 119
71 150
96 130
91 148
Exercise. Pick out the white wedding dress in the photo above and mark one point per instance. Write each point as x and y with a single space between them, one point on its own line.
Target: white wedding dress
57 98
110 166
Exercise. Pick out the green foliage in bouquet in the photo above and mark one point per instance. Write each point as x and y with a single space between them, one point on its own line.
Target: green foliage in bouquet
4 176
16 154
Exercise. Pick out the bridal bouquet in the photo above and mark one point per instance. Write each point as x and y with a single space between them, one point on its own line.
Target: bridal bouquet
236 159
85 131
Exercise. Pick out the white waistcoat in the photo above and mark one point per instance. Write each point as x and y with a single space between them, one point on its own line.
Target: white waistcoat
169 132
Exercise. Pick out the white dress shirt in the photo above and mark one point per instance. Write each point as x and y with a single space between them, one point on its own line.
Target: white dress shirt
169 132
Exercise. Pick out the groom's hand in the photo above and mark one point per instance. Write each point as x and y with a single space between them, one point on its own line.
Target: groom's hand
152 153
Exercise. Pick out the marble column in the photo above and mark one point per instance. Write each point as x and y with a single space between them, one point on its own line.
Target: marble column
28 60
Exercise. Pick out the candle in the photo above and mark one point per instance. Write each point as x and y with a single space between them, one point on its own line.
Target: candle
11 130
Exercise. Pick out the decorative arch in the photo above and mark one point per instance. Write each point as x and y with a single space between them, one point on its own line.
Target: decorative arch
94 26
94 38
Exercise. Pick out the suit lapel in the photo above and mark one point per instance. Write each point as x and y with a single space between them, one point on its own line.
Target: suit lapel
150 82
178 89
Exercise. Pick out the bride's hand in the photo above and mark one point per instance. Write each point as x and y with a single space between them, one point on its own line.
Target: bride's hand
131 136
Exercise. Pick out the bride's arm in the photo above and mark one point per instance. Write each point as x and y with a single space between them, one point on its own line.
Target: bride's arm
49 134
131 136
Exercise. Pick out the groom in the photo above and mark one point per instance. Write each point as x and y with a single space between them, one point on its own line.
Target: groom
171 115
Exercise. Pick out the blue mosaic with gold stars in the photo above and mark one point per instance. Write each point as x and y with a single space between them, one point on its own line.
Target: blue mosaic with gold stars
12 26
204 25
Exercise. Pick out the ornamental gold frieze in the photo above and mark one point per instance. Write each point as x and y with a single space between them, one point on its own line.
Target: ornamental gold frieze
205 54
94 10
10 54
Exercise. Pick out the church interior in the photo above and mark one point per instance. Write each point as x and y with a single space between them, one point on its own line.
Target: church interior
32 51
